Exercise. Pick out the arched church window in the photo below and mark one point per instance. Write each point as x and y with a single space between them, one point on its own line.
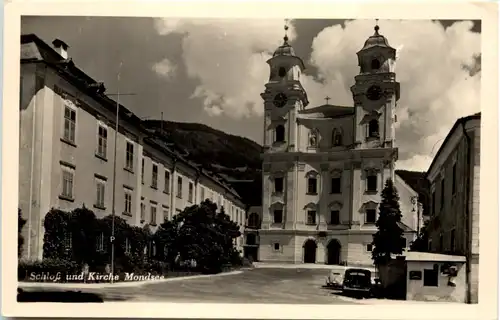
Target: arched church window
336 137
375 65
373 129
313 138
253 220
280 133
282 72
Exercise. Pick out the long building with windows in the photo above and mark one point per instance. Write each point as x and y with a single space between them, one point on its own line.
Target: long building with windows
66 153
324 167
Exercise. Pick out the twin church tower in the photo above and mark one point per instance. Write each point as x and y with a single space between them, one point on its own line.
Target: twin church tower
324 167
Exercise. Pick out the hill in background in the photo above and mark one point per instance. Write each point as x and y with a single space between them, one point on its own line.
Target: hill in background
237 159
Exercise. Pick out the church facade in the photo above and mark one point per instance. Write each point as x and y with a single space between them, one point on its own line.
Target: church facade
324 167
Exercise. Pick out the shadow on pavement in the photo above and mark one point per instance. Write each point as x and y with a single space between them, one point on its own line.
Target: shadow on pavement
57 296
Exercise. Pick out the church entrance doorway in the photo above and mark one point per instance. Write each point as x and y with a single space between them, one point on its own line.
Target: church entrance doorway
310 251
333 252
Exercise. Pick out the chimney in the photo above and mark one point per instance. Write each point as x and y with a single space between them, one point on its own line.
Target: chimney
61 47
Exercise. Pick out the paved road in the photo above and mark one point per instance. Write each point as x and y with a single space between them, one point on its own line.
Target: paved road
267 285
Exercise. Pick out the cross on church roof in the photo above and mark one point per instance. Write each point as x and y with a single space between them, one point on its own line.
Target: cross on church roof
327 98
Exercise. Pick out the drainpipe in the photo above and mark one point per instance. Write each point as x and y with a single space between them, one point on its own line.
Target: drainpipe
467 215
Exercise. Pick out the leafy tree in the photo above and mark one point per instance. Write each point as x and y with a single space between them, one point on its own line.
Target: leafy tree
55 224
389 237
422 242
20 239
199 234
83 227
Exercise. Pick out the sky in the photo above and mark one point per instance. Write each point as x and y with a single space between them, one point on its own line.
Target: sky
212 71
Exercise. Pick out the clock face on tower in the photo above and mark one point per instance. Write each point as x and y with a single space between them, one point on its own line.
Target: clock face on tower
280 100
374 93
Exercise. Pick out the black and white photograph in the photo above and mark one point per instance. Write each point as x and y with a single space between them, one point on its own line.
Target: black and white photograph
279 160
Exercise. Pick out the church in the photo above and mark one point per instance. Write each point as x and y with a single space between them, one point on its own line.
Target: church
324 167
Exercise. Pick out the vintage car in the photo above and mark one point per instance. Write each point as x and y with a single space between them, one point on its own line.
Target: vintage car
357 282
334 279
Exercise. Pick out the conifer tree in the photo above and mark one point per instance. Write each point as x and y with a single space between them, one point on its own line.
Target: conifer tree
389 237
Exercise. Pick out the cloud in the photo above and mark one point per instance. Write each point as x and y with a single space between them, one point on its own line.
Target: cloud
165 68
438 68
228 58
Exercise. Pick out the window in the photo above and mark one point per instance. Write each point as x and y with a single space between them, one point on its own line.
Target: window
375 65
431 276
68 241
102 141
190 192
100 188
143 165
166 187
371 215
282 72
67 182
312 184
369 247
253 220
128 246
128 202
454 181
179 187
276 246
278 216
166 213
336 185
202 194
371 183
99 243
153 214
278 185
441 242
442 194
373 129
335 217
311 217
452 240
129 157
69 124
143 211
154 176
280 133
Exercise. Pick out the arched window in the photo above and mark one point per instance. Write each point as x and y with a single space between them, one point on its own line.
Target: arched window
373 129
282 72
253 220
336 137
375 65
280 133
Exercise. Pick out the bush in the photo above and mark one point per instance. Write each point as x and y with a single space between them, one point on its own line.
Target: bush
46 270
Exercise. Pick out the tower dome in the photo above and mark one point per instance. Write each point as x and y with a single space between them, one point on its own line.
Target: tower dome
377 40
285 49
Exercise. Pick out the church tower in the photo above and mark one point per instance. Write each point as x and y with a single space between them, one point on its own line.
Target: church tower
283 97
375 94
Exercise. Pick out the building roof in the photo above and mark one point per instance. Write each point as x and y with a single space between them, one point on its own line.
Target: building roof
35 50
325 111
405 227
460 122
433 257
377 40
